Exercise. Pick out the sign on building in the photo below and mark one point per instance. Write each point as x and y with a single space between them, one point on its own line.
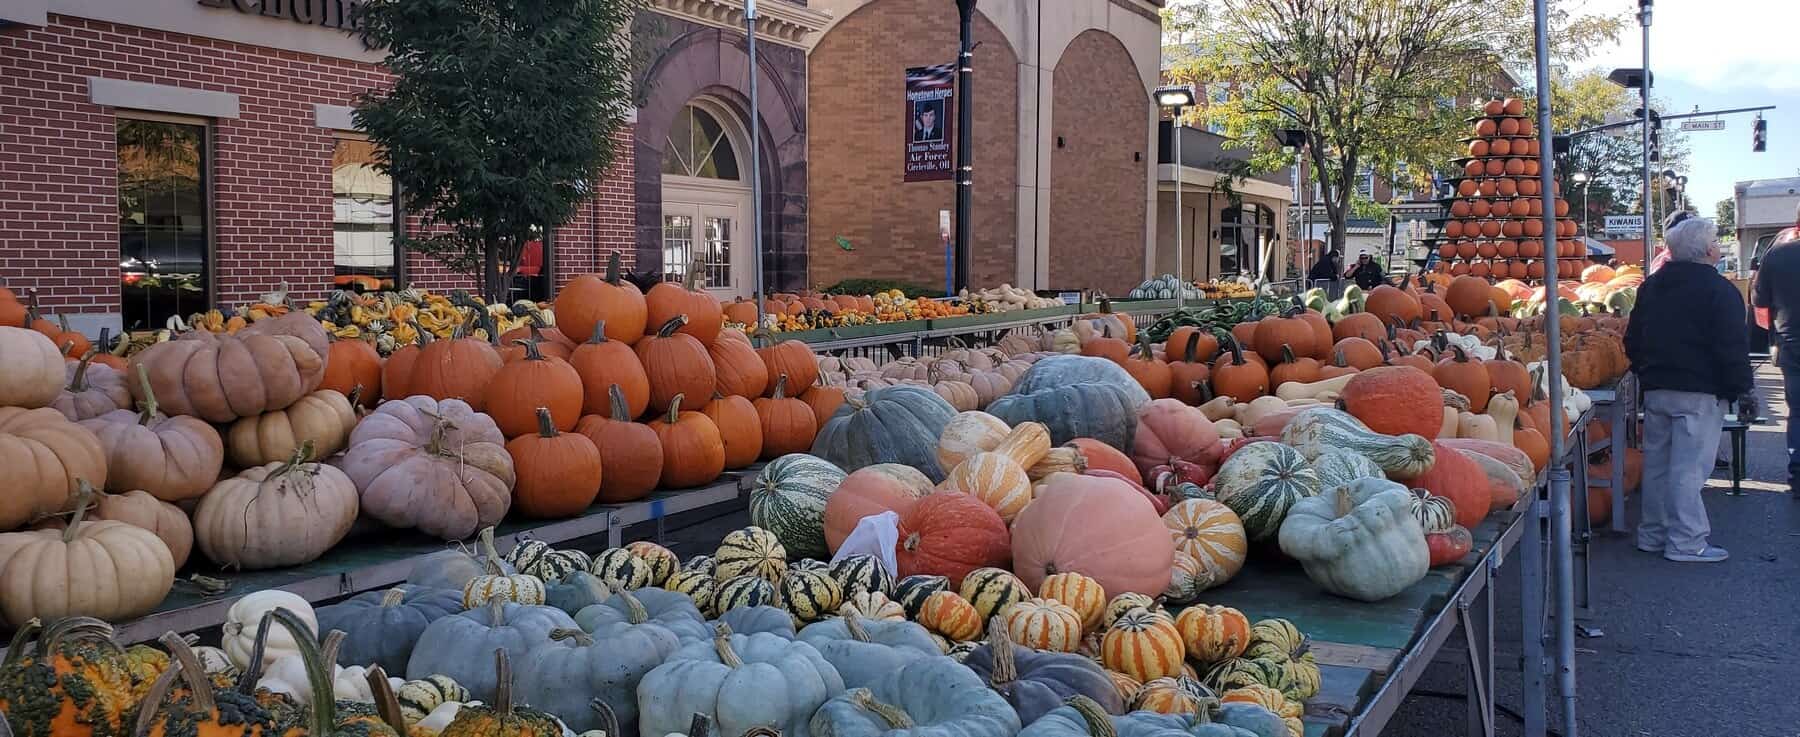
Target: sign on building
1622 226
930 108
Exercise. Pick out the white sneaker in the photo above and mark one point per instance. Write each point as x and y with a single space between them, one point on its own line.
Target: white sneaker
1642 548
1709 554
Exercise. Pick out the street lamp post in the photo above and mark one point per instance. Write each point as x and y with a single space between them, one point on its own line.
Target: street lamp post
1644 103
965 120
756 204
1174 98
1294 140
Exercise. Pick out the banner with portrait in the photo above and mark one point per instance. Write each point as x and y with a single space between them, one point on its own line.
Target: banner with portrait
930 108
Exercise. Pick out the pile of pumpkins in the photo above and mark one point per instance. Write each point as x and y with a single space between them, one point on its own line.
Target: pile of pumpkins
261 447
1496 220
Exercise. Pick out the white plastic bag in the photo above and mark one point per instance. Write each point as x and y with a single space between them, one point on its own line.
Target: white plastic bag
876 535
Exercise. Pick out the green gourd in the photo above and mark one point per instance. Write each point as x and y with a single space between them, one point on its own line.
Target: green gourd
668 609
865 650
1075 397
788 497
381 627
1338 467
1315 430
563 673
461 645
1359 541
537 558
893 424
740 682
1261 482
929 697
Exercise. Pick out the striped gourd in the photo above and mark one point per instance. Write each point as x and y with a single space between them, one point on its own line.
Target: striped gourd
966 434
1213 633
1042 624
537 558
1340 467
1239 672
1434 513
809 564
1260 482
788 498
950 615
912 591
1078 592
1185 582
417 698
1316 430
1026 444
621 570
701 563
1302 677
960 651
743 591
1143 645
516 587
1126 602
810 595
751 551
662 561
1170 695
699 586
994 478
1127 686
1211 533
1265 697
872 605
992 589
860 573
1276 639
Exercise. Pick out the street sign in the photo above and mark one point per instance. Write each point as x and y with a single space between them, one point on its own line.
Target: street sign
1624 224
1703 125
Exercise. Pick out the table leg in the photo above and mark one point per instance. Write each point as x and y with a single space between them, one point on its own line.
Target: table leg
1583 526
1739 438
1477 618
1617 442
1532 598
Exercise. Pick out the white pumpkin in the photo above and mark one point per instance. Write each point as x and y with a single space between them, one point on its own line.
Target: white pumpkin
242 618
288 676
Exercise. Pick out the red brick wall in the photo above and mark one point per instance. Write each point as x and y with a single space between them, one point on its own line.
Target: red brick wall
1099 168
271 177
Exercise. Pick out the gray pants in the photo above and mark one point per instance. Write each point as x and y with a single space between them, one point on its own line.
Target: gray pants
1681 439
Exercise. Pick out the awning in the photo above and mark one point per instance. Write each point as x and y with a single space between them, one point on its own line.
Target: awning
1596 248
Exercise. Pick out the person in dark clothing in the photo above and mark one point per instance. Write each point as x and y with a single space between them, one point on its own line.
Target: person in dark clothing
1691 358
1324 272
1367 273
1777 289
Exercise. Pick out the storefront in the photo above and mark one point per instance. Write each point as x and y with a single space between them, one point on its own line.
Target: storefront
1230 226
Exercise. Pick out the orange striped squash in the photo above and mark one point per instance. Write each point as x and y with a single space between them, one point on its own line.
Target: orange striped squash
1027 444
1078 592
1211 533
950 615
969 433
1169 695
1143 645
1043 624
1265 697
994 478
1186 579
1213 633
1127 686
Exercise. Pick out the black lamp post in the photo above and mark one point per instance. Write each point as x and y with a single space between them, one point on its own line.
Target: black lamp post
965 120
1294 140
1174 98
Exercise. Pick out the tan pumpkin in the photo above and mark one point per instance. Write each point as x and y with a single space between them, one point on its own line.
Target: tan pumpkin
47 457
221 377
276 514
140 509
32 374
323 418
439 466
105 569
173 458
994 478
960 394
1042 624
93 389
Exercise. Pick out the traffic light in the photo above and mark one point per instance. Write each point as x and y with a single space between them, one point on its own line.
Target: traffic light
1759 135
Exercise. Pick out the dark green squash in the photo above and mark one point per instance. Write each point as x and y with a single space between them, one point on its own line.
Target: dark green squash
893 424
1075 397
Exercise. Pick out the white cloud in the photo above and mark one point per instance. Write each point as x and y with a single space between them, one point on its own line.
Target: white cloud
1726 44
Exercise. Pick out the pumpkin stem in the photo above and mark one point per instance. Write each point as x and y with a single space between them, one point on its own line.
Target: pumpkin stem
1287 353
896 717
318 677
634 609
853 624
81 628
393 597
386 704
85 497
16 648
1206 392
781 387
1237 350
531 346
496 607
1344 504
613 277
546 426
252 673
722 644
187 668
1000 647
328 649
599 335
503 695
620 412
581 638
669 328
147 405
609 721
1099 723
78 382
675 408
701 726
355 395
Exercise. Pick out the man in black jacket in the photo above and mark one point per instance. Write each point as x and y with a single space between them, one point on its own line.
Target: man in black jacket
1367 273
1687 345
1778 290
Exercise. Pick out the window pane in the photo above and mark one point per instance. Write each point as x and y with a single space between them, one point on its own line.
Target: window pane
162 221
678 244
698 147
678 147
362 203
718 252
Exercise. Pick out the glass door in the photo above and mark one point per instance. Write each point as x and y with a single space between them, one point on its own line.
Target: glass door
707 236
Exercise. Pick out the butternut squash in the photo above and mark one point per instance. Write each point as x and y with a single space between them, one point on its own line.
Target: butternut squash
1477 426
1249 412
1312 389
1220 408
1229 429
1452 423
1504 409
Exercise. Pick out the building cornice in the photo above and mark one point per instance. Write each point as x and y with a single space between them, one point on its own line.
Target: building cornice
777 21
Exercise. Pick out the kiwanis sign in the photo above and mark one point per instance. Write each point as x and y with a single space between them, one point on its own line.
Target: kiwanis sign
340 14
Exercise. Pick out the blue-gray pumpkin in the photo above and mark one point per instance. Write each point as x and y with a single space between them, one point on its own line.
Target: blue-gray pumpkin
452 569
669 609
749 620
1075 397
563 675
741 682
462 646
1082 717
1037 682
893 424
576 591
928 697
1359 540
381 627
865 650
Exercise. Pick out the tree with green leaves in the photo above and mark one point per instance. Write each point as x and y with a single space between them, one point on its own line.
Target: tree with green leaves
1612 160
1725 214
1372 85
499 119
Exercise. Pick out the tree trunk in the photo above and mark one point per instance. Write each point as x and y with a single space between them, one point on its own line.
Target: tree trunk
490 269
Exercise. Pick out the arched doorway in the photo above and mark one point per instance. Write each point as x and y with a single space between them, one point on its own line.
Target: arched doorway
706 199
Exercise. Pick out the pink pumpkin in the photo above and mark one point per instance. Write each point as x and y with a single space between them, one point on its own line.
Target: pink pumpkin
1097 527
871 490
1169 430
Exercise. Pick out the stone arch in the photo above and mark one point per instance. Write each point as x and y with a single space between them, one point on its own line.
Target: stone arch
1099 186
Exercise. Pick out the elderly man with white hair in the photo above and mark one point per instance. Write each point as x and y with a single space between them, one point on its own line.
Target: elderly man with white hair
1687 345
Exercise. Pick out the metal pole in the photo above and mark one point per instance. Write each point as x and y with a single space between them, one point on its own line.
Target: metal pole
1305 210
1561 548
1644 104
1180 245
965 120
756 203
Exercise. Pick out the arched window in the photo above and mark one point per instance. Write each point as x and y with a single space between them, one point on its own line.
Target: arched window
698 147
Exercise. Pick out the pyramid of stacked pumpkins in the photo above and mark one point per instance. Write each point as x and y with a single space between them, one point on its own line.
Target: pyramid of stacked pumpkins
1495 227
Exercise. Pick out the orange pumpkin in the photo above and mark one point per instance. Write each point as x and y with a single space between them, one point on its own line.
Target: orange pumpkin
1455 477
669 300
1357 352
675 363
824 401
558 474
1278 335
1102 457
1293 369
1082 594
629 451
1106 346
950 615
1240 378
1201 343
1395 400
788 424
1213 633
535 382
351 365
741 311
740 371
692 451
604 363
738 427
1150 372
396 371
1188 369
1389 303
872 490
551 343
12 312
1143 645
458 368
589 300
793 358
949 534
